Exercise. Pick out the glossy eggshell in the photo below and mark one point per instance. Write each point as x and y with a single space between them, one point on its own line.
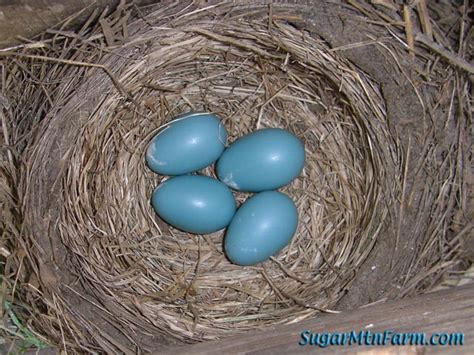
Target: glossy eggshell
262 226
190 143
194 203
266 159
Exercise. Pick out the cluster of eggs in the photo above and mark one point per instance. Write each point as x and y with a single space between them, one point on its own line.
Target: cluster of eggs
259 162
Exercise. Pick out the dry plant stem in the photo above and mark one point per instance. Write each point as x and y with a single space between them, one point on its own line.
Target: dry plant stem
451 57
425 19
75 63
409 29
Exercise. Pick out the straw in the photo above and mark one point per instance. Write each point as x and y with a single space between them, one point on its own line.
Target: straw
103 272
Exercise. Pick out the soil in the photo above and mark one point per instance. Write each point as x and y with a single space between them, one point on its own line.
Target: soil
377 278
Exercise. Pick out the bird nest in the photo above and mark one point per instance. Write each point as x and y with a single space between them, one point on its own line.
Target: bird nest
102 271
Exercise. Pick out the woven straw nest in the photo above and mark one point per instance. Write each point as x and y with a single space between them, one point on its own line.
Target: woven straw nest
91 251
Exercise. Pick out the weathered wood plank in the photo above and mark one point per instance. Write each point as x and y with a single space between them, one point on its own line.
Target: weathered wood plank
443 311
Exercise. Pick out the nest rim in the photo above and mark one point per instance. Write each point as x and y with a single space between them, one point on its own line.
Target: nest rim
170 304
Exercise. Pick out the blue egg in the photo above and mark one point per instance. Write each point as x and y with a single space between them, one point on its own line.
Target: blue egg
194 203
262 226
190 143
266 159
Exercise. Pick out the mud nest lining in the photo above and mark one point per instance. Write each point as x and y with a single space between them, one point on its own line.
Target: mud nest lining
83 167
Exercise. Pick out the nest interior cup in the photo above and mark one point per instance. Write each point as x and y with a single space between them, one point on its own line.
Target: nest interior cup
86 188
267 80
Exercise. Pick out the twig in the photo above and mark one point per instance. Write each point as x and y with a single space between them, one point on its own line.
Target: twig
448 55
233 41
409 30
34 45
425 19
116 83
359 44
270 15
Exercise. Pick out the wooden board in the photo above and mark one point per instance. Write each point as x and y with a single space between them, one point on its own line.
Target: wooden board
443 311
